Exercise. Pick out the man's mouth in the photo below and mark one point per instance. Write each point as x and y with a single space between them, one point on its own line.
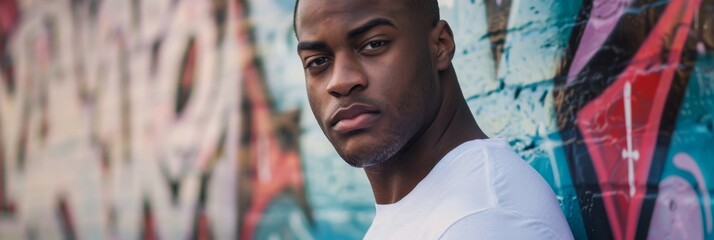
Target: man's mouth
355 117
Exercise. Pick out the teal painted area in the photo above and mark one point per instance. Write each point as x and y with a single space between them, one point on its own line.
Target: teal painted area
550 162
283 220
694 131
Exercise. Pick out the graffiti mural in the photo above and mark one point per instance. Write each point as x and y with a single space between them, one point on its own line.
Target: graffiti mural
619 105
171 119
600 117
119 119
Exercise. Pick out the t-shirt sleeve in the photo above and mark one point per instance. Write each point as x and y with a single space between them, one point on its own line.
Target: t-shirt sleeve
501 224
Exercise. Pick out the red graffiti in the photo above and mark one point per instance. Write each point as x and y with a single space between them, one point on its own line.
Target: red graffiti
274 169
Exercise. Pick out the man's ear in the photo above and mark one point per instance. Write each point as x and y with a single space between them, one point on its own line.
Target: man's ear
443 39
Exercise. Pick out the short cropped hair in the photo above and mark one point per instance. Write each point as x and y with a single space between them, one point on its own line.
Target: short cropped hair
427 8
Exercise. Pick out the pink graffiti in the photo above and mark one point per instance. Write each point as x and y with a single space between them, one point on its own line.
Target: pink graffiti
685 162
676 213
604 17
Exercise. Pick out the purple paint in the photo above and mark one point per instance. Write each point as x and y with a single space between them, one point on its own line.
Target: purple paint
676 213
685 162
603 19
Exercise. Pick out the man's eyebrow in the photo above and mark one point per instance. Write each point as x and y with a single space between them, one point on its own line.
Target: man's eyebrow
367 26
311 46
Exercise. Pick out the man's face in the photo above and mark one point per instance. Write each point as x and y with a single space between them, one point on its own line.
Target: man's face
370 73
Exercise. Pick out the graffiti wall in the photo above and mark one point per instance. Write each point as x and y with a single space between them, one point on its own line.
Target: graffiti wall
174 119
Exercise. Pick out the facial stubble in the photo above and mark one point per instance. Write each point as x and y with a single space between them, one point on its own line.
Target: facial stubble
399 134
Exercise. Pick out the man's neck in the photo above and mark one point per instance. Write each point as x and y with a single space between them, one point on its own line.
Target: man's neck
395 178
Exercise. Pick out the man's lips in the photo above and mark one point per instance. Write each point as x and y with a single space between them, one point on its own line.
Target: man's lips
356 116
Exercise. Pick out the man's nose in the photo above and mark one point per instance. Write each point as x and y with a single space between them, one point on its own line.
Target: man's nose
347 77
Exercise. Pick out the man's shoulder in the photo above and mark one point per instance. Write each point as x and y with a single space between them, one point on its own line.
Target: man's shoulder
500 223
481 180
514 190
500 168
489 150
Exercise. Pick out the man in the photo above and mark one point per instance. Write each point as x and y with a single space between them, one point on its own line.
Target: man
382 87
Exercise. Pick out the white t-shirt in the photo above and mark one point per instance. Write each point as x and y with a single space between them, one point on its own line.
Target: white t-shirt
480 190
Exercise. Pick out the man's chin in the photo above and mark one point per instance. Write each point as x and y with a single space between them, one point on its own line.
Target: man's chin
365 150
363 163
366 157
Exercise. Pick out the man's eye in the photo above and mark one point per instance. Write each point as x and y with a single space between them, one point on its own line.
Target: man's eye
318 62
374 45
